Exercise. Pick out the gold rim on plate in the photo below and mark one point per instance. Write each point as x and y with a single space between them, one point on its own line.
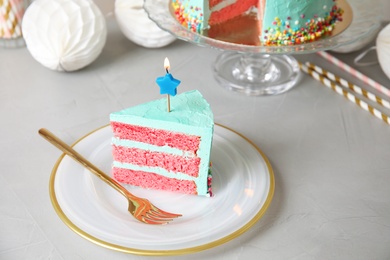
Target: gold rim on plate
189 250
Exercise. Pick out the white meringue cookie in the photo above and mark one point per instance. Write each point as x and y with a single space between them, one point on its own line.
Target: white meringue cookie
64 35
383 49
137 27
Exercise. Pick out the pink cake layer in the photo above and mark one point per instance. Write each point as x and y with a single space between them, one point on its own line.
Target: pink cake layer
169 162
213 3
157 137
153 181
231 11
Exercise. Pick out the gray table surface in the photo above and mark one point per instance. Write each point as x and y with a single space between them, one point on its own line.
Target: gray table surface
330 158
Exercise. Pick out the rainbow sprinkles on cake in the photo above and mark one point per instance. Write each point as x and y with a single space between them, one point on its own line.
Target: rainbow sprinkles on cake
278 22
156 149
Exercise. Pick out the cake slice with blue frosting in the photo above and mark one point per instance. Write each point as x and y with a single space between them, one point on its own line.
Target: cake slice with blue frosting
156 149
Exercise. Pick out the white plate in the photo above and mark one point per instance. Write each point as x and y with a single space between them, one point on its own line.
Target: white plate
243 186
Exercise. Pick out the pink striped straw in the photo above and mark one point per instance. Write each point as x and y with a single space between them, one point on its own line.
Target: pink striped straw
355 73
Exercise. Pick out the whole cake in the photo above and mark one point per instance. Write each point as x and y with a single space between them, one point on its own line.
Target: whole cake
156 149
270 22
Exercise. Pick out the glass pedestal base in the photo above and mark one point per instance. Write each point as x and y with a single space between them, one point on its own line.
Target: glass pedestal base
256 74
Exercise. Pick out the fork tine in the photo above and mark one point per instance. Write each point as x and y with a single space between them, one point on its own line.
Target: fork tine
162 213
151 216
153 221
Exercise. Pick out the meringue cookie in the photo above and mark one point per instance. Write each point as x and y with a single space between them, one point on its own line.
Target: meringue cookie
64 35
135 24
383 49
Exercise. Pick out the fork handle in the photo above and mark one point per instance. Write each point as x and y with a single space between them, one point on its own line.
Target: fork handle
49 136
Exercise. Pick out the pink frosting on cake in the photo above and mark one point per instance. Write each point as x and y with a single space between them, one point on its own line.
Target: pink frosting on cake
154 181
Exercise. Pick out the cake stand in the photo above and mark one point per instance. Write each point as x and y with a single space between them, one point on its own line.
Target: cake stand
266 70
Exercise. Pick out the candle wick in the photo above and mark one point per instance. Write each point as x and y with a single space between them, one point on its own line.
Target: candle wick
167 70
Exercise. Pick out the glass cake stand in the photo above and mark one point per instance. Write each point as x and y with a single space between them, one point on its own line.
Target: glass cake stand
266 70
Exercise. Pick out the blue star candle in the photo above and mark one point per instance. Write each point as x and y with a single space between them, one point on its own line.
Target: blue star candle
168 84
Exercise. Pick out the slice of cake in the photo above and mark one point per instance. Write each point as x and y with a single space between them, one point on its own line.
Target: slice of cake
278 22
156 149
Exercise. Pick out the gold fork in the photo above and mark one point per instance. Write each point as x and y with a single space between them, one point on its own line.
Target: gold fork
142 209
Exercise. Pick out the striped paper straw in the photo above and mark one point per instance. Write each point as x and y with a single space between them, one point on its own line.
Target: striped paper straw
11 13
338 89
355 73
349 85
